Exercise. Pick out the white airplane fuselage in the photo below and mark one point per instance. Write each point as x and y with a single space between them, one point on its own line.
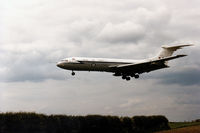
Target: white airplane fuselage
93 64
126 68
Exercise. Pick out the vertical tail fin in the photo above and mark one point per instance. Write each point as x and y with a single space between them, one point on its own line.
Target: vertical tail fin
169 50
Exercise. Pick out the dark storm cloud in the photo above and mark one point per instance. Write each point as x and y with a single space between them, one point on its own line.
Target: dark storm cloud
185 71
186 77
28 66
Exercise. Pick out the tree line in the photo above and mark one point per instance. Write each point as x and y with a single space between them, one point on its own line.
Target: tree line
39 123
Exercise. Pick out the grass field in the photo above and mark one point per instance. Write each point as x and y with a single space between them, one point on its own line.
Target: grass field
183 127
174 125
190 129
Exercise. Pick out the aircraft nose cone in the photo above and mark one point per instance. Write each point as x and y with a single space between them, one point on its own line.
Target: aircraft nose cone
59 64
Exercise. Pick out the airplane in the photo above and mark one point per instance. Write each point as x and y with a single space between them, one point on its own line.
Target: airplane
126 68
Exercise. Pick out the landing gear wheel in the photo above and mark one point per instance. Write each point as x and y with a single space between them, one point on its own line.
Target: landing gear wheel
137 76
73 73
128 78
123 77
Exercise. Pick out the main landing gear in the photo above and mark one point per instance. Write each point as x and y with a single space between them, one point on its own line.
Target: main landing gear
73 73
136 76
126 77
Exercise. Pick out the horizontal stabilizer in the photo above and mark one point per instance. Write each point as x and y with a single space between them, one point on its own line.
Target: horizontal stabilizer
177 46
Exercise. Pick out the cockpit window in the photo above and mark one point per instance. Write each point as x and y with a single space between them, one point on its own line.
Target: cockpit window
65 60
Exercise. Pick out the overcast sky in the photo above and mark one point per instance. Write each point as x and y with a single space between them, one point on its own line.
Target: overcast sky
35 34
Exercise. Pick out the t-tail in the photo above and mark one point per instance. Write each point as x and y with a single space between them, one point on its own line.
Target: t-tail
167 51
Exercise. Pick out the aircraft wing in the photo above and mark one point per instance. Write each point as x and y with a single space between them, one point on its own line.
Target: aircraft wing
145 66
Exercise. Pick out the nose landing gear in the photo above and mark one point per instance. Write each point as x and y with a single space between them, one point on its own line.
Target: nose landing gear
73 73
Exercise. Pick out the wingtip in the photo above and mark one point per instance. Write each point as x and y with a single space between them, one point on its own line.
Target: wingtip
181 55
188 44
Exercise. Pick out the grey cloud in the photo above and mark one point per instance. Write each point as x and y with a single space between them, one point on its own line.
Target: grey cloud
29 66
38 32
189 99
185 77
74 35
122 33
82 30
